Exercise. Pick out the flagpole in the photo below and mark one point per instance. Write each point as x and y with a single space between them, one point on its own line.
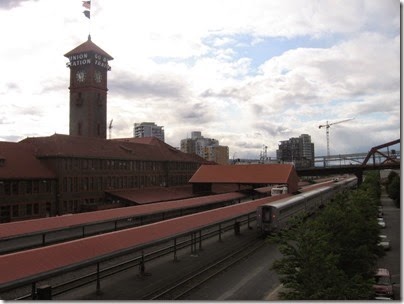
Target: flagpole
87 13
89 21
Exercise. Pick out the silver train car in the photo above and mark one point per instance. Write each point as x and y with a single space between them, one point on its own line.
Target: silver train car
274 216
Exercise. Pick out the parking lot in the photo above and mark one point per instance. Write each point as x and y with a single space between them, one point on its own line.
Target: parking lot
391 260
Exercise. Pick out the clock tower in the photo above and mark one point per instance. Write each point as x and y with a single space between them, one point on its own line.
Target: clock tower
88 65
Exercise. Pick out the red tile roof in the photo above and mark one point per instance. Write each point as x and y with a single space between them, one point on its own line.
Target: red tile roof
45 261
244 174
91 147
154 194
89 46
29 227
165 149
18 162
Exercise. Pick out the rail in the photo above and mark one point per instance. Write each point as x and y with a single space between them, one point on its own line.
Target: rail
95 277
179 289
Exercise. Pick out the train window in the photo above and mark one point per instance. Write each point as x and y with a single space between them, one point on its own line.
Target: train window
266 214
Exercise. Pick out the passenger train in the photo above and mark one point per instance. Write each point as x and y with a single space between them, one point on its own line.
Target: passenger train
274 216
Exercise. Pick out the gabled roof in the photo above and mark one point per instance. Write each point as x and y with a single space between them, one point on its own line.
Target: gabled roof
165 149
59 145
19 162
89 46
244 174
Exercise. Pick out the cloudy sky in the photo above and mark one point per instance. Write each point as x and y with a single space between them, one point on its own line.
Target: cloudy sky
245 72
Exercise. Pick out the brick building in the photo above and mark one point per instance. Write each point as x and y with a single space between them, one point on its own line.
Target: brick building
60 174
27 186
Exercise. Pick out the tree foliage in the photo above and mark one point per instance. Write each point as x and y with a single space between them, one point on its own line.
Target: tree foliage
393 187
333 255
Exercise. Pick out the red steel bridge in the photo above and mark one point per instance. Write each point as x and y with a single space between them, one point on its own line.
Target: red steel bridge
378 158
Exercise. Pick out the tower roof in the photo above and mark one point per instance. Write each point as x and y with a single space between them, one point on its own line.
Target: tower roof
89 46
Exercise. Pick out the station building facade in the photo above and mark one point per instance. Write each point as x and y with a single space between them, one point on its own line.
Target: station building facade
62 174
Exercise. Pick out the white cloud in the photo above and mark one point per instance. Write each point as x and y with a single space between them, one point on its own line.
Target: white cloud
192 65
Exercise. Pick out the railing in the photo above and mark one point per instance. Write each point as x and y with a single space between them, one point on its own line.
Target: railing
95 276
340 160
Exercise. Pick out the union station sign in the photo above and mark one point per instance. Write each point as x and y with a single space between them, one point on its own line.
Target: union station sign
88 58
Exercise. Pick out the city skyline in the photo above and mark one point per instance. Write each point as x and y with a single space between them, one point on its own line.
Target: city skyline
246 73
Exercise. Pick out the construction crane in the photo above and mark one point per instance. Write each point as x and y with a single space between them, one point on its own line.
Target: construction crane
110 128
327 131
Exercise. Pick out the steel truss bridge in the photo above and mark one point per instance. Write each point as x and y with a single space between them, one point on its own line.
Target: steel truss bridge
378 158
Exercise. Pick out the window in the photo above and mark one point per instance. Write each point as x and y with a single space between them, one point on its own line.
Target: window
29 209
15 211
79 99
14 188
7 188
99 99
36 208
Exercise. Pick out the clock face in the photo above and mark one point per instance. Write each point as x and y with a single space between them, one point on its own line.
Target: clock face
97 76
81 76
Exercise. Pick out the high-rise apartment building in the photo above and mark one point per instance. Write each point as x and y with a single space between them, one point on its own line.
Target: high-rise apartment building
148 129
297 150
208 148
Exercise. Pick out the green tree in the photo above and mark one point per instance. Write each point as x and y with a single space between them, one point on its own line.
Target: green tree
391 176
333 256
393 190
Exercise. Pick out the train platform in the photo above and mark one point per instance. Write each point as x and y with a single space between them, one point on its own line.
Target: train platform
30 266
65 222
33 266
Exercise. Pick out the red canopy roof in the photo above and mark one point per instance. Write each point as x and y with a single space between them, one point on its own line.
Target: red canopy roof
244 174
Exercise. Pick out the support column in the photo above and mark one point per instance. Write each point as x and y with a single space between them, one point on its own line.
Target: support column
175 250
98 288
33 291
200 240
193 244
220 232
142 267
236 227
359 175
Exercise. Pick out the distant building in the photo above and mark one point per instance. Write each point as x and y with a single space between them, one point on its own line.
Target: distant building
148 129
208 148
297 150
218 154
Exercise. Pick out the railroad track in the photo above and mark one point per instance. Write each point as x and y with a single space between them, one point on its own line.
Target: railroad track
179 289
